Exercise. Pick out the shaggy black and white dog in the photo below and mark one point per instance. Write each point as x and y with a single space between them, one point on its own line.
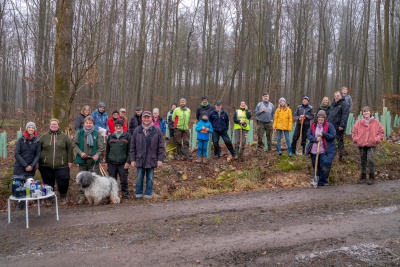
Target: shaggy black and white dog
98 187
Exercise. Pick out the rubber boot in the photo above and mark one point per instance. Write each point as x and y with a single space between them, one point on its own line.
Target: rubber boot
236 156
290 151
371 179
178 152
187 154
279 150
363 178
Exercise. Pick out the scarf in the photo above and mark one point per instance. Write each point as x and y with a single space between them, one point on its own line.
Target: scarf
368 121
118 134
204 105
146 129
29 137
325 107
89 137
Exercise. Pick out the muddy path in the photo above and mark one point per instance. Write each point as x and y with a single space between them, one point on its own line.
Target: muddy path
353 225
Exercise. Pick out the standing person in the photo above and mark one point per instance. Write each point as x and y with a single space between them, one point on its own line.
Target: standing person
136 120
117 156
324 132
56 160
325 106
347 98
122 115
283 125
265 112
88 148
181 117
241 120
338 115
146 153
27 152
203 129
220 122
367 134
304 114
111 121
158 121
85 111
204 107
100 117
170 122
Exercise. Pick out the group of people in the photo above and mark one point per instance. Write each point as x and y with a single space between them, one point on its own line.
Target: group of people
142 144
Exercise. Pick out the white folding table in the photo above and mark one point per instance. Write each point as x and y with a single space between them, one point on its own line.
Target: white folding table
26 199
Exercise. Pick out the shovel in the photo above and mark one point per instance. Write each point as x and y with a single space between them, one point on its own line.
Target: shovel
240 144
299 149
315 179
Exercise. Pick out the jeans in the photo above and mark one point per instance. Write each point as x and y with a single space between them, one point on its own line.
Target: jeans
217 149
141 172
264 127
202 148
279 136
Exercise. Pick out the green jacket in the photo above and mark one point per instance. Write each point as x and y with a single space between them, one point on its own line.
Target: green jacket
181 118
82 147
56 150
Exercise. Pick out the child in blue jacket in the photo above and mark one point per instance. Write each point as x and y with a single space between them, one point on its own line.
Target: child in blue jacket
203 129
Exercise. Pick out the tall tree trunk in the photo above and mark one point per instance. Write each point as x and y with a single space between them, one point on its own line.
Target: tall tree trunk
62 61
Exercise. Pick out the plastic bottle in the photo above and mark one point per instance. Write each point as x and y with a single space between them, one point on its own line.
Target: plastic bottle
33 187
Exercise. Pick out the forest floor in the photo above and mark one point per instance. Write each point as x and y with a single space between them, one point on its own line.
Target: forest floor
260 212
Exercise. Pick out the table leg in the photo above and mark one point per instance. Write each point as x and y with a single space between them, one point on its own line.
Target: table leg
9 215
38 206
55 196
26 211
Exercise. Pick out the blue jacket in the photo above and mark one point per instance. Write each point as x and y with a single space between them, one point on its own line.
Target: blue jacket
100 120
328 138
203 135
219 122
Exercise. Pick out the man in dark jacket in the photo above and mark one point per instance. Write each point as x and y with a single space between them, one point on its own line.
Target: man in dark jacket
146 153
204 107
117 156
136 120
304 113
220 122
338 115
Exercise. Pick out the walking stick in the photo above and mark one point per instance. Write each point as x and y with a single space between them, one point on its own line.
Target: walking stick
240 144
299 149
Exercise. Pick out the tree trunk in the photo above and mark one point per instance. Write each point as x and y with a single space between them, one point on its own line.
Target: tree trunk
62 61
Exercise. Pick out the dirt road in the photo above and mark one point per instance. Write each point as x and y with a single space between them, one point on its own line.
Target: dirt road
353 225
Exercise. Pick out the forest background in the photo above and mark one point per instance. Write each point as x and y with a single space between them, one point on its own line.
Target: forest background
56 56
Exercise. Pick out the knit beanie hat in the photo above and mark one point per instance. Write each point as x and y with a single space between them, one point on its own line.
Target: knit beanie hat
321 113
118 122
282 100
115 111
101 104
58 122
30 124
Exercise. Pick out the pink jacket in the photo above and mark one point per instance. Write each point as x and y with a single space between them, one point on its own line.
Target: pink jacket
367 134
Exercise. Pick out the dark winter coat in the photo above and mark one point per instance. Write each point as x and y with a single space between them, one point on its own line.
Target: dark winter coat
339 113
219 121
328 139
79 122
26 153
147 150
307 110
56 150
200 111
117 150
134 122
327 112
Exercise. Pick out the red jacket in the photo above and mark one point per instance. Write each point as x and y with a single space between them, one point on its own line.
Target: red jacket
111 126
367 134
